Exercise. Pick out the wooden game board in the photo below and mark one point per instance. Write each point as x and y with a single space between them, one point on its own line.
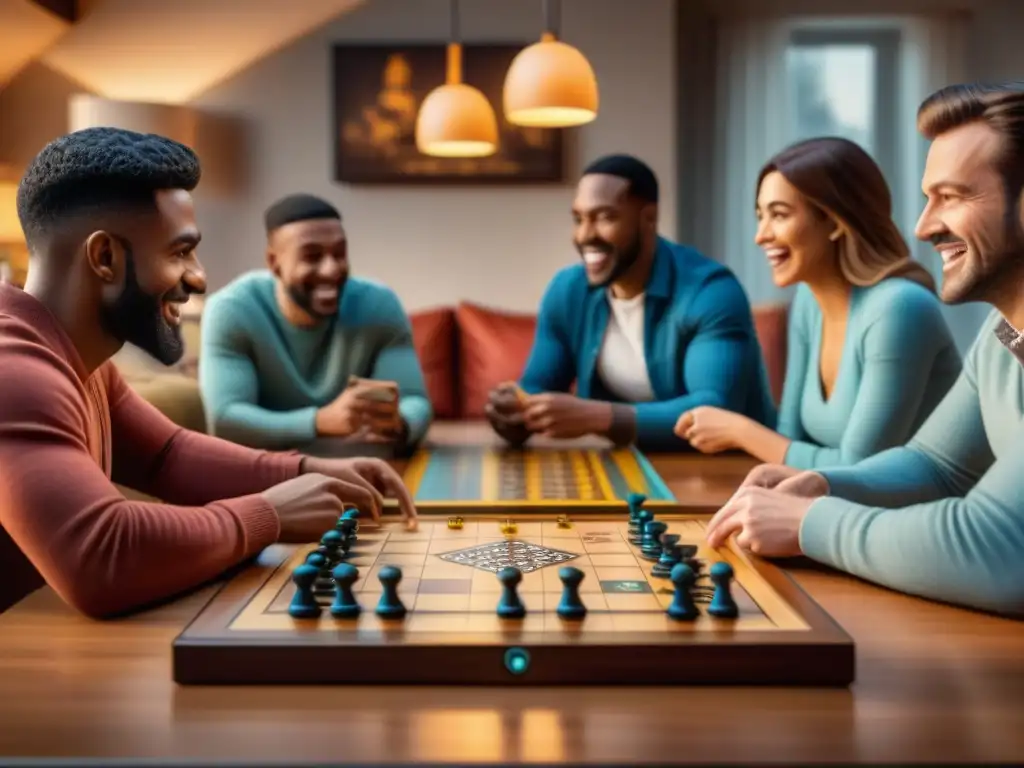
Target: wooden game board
532 479
452 634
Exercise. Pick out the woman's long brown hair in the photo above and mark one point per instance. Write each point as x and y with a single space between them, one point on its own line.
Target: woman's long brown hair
841 180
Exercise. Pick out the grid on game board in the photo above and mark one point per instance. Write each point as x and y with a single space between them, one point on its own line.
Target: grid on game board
616 578
557 478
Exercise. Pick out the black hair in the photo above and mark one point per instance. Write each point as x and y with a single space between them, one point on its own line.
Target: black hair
643 184
100 168
300 207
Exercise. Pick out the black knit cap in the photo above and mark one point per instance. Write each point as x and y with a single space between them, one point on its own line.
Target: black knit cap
643 184
300 207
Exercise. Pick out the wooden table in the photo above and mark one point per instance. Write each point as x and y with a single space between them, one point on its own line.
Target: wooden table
935 684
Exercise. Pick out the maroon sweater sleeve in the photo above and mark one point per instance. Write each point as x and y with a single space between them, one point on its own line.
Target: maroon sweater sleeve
101 553
154 455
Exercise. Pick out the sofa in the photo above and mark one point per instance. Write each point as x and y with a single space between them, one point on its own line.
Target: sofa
464 350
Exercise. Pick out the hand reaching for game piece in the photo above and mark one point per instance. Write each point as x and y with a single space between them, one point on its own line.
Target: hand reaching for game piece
309 504
765 522
368 483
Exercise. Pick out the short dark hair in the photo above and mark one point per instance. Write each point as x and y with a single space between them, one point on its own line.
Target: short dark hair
1000 106
298 207
99 168
643 184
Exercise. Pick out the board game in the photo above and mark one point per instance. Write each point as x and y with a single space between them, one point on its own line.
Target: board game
627 599
531 479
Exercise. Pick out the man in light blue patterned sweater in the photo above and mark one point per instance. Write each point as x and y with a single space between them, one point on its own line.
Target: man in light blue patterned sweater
942 517
279 347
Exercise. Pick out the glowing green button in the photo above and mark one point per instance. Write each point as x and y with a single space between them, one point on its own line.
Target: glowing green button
517 660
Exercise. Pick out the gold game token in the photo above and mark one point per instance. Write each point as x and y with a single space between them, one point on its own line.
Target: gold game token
455 523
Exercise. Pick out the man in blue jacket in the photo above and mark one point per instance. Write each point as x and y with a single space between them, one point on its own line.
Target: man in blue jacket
645 328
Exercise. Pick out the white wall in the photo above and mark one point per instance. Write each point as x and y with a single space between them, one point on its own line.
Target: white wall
440 245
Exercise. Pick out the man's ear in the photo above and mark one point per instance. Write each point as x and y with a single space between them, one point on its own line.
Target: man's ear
105 257
649 217
272 262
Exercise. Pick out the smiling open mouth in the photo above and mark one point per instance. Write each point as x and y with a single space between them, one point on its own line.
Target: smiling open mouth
952 254
172 313
777 256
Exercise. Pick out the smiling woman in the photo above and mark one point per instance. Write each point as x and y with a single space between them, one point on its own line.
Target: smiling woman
869 353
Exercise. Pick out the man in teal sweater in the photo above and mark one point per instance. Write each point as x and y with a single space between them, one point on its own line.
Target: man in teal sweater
279 346
942 517
645 328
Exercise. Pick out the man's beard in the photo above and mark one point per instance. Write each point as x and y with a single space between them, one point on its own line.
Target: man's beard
621 260
303 299
986 268
137 318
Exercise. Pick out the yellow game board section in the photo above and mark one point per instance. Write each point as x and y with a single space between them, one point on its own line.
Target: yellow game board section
607 492
531 471
490 473
602 552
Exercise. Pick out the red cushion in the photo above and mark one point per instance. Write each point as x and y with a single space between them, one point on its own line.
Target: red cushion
433 332
770 321
493 347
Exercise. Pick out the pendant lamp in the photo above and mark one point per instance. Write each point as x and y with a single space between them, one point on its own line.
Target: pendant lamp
550 84
456 119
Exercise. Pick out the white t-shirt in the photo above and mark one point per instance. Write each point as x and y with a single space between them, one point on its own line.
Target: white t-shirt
621 363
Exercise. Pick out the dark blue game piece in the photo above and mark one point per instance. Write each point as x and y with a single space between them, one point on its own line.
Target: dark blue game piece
683 607
345 605
316 559
671 553
332 540
353 515
304 604
723 605
650 545
636 504
390 605
643 517
571 606
635 501
509 604
346 526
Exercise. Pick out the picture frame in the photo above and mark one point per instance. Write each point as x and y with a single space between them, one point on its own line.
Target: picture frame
377 91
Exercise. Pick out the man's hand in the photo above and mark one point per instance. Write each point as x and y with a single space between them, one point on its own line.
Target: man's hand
361 408
765 522
768 475
309 504
505 406
808 484
504 410
375 479
710 429
560 415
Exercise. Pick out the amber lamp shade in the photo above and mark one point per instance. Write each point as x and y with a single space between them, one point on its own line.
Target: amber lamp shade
550 85
456 119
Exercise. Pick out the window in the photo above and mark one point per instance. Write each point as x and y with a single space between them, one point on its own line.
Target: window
843 83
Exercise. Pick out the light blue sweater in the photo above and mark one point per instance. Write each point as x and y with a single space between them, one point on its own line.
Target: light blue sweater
943 517
898 362
262 378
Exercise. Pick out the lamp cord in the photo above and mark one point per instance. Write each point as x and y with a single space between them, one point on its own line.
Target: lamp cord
551 16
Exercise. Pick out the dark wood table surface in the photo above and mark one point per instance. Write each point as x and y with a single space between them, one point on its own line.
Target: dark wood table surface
934 684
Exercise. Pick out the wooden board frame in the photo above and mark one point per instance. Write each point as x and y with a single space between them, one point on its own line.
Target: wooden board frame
812 651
